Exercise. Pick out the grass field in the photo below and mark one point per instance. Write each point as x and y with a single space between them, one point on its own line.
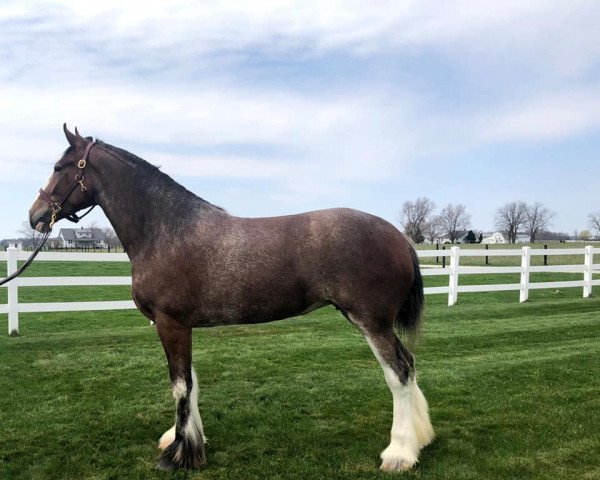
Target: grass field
513 391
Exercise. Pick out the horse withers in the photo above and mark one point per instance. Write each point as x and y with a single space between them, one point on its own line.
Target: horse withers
195 265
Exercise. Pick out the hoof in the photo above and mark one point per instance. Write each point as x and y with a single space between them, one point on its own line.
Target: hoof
397 459
182 454
165 466
396 465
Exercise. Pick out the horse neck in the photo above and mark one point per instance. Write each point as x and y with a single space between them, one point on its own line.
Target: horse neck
139 206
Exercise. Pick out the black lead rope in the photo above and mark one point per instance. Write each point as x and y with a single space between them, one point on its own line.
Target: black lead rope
29 261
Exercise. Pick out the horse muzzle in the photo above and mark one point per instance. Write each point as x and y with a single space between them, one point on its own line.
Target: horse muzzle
39 216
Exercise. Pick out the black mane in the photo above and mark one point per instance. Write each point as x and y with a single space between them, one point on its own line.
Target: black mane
151 171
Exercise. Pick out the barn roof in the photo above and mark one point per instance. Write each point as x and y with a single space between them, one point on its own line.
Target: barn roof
76 233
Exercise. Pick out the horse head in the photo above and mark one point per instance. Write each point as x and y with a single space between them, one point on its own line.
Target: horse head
69 188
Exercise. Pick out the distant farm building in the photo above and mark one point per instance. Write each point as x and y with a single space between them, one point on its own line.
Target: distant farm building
498 237
523 238
82 238
18 244
493 238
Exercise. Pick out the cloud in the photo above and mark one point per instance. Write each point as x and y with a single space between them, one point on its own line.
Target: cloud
342 138
118 36
310 96
211 166
551 117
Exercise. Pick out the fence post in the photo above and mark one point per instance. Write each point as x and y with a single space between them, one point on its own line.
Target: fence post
587 271
13 292
454 263
525 263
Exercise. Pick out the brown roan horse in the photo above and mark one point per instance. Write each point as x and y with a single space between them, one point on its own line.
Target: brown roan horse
194 265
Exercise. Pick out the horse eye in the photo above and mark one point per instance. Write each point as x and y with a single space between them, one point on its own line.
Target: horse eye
57 168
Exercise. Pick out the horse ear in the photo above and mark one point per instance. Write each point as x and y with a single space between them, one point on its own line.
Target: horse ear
79 137
72 139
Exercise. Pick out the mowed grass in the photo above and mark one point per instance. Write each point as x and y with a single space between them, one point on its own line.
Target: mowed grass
513 391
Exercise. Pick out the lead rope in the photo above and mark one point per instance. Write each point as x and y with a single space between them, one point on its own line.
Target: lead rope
29 260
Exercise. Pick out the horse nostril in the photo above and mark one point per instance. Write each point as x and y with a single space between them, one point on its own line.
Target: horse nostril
34 221
35 218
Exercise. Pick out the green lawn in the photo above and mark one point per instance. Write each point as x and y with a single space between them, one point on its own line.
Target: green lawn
513 390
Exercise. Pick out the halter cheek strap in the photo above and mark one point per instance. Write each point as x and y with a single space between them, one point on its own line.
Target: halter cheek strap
56 207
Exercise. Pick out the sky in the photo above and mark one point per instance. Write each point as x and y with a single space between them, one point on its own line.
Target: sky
276 107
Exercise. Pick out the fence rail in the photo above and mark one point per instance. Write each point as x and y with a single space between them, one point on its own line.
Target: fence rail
455 270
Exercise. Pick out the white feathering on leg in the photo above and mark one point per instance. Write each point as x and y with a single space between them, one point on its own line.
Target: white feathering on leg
403 451
167 438
423 429
193 427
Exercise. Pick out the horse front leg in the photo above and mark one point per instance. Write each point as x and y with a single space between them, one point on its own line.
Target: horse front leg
183 444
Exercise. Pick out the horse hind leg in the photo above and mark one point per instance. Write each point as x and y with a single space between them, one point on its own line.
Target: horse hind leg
411 427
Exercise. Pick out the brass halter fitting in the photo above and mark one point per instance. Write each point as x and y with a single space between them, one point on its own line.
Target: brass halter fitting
80 178
52 219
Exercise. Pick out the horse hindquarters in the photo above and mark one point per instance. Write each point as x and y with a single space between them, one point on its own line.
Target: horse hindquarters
183 444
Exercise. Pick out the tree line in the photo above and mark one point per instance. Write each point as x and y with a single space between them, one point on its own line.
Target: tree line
421 223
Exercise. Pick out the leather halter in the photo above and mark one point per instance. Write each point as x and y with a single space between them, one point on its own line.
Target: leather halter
56 207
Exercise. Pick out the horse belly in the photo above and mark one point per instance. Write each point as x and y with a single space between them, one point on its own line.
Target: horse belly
252 302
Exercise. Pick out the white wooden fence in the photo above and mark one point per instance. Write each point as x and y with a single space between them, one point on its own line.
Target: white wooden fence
13 307
587 268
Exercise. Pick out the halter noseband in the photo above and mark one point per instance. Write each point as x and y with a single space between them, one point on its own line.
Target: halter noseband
56 207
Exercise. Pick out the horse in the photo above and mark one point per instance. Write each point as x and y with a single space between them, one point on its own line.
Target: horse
195 265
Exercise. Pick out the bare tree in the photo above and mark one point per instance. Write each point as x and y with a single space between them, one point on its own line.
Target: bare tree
546 235
414 216
432 230
594 221
111 238
537 219
454 219
584 235
510 218
30 235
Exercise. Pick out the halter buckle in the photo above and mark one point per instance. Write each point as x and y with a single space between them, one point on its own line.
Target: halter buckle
82 163
55 207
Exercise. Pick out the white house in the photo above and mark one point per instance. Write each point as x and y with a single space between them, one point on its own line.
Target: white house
18 244
523 238
498 237
82 237
493 238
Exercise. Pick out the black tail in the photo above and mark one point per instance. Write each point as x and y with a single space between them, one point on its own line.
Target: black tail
409 318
